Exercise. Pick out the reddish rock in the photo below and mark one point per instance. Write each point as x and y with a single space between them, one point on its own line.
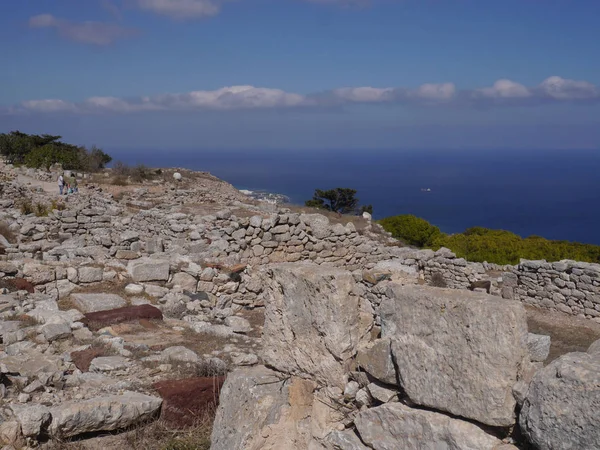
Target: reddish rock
97 320
20 284
186 401
82 359
237 268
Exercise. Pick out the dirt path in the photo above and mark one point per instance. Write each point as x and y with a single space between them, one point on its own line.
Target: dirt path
47 186
568 333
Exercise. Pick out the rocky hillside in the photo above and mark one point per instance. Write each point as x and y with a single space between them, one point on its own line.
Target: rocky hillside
137 307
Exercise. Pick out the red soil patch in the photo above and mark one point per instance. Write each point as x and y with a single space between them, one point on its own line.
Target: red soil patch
185 402
97 320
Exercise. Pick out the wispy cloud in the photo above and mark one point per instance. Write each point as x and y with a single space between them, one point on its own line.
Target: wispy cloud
502 93
181 9
89 32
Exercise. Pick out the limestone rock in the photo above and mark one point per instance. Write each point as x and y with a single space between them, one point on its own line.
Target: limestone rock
88 303
90 274
376 359
32 418
539 347
457 351
179 354
251 399
108 363
344 440
382 393
105 413
238 324
562 407
146 269
396 426
185 281
312 321
54 331
318 223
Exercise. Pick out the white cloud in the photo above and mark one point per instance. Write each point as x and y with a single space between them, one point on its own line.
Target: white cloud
502 93
96 33
364 94
565 89
443 91
504 88
48 106
181 9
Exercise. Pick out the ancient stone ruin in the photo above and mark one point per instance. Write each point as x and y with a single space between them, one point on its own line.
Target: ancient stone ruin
122 307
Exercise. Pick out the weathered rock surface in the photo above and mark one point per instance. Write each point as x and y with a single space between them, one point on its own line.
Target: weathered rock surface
251 400
88 303
460 352
102 414
313 322
376 359
539 347
147 269
562 407
32 418
396 426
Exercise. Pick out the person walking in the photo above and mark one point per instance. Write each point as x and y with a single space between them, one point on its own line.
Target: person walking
61 183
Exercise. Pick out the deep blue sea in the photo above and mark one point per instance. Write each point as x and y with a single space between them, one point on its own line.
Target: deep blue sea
554 194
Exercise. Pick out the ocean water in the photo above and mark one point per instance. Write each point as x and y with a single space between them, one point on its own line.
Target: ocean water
554 194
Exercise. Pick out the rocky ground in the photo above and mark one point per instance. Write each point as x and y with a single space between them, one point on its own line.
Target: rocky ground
125 307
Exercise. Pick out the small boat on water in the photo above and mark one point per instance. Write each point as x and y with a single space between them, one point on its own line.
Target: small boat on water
425 189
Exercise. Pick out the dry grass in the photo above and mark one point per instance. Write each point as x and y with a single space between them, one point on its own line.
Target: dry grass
156 435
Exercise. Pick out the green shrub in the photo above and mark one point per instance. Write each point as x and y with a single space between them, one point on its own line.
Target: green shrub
480 244
411 229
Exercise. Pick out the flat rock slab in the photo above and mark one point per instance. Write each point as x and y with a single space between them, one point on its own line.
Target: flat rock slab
396 426
146 269
186 401
457 351
102 414
88 303
31 364
108 363
100 319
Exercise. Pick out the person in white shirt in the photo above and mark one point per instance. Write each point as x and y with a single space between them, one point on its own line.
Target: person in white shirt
61 183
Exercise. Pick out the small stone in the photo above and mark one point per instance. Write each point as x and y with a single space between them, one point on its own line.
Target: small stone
108 363
23 398
238 324
134 289
243 359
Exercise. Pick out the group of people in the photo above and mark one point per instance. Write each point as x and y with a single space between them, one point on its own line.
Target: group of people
67 185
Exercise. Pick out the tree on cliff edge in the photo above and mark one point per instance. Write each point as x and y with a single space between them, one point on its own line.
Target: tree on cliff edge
341 200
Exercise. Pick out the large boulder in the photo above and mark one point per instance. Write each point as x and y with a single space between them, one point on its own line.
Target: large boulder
313 321
562 407
457 351
251 399
261 410
146 269
396 426
106 413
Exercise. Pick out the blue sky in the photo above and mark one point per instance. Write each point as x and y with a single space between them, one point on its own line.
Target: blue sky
314 74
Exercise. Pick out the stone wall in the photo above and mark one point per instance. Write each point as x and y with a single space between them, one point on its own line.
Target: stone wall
568 286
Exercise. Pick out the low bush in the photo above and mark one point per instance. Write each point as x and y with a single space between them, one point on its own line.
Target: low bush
480 244
26 207
411 229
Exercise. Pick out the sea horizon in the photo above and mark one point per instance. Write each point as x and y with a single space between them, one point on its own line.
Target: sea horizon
548 193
